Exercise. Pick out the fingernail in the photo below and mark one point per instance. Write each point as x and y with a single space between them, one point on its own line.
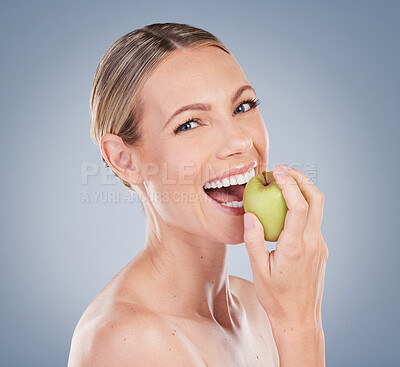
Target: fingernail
248 221
280 170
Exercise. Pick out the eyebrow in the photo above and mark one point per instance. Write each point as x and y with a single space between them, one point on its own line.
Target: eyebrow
207 107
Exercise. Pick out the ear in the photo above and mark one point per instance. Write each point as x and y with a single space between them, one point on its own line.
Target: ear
120 158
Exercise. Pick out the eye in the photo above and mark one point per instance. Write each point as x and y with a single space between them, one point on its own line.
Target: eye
186 125
253 103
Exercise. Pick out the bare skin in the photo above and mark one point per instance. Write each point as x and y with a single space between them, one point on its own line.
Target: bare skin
120 329
174 303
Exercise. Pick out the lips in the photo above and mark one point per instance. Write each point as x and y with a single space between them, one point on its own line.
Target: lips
233 177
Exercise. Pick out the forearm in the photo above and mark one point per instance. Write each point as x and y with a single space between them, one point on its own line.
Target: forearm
299 346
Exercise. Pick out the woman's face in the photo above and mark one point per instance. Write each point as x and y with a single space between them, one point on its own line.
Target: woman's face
178 157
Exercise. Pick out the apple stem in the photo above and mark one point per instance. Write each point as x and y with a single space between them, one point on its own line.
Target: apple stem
265 177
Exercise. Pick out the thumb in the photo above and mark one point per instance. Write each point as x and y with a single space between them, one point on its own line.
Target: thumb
255 244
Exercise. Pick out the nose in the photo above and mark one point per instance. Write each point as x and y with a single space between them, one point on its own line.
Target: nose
234 142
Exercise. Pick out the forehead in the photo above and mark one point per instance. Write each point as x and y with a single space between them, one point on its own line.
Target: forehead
191 76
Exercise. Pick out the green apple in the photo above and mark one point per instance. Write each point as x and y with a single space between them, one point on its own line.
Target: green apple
263 197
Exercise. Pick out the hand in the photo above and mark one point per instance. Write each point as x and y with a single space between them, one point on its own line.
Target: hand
289 281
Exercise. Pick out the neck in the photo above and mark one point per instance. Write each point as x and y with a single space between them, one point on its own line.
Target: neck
190 277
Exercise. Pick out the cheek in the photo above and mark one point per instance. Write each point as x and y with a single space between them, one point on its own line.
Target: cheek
175 192
183 162
175 166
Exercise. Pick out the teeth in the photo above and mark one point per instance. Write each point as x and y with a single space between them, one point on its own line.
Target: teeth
234 204
240 180
233 180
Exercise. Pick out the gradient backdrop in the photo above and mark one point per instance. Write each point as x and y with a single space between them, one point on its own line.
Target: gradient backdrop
327 75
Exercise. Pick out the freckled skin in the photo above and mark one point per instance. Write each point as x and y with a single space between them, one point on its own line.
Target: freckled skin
177 289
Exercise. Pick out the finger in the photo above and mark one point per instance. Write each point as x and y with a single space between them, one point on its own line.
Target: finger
255 245
314 197
296 216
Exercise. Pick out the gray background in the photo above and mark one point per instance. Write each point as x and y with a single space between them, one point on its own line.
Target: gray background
327 75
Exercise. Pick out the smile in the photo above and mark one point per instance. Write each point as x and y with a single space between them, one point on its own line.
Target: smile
228 191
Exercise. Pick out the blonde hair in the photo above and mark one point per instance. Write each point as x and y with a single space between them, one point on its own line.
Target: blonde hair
114 103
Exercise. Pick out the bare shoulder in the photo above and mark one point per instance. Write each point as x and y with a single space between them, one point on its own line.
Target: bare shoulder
244 289
128 335
256 315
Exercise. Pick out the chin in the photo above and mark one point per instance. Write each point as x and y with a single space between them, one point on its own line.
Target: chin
235 238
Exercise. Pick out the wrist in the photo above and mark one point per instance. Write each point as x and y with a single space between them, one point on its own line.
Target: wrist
300 344
309 327
310 335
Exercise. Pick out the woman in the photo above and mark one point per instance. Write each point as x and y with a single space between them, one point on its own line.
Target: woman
172 110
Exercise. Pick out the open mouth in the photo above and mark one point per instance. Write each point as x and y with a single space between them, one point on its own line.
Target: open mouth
229 191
